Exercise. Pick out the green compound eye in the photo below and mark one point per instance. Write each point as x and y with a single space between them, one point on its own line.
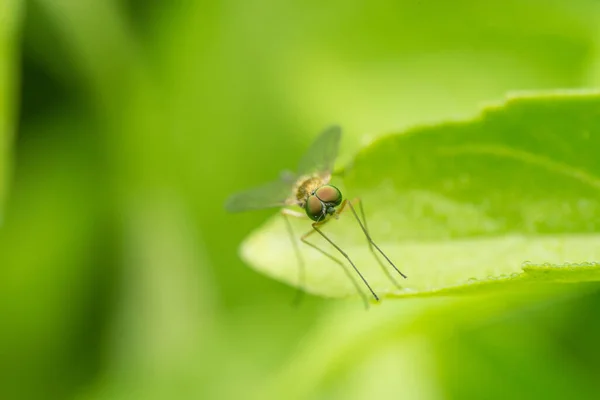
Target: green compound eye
314 208
329 194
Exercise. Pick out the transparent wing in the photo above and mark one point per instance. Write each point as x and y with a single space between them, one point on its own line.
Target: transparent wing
321 155
270 195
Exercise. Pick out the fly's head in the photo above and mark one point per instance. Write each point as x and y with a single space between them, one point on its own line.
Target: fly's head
322 202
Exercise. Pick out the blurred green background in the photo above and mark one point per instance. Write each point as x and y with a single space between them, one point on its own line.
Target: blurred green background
124 125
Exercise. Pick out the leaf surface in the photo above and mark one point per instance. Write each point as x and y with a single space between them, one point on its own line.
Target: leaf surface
509 196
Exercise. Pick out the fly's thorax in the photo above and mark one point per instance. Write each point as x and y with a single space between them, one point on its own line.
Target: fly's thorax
306 186
322 202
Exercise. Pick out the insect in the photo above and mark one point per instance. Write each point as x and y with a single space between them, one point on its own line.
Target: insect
322 202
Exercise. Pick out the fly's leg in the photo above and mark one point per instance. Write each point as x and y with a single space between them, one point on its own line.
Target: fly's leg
372 243
315 227
381 264
285 213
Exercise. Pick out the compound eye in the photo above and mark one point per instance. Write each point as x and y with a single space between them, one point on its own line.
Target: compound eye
329 194
314 208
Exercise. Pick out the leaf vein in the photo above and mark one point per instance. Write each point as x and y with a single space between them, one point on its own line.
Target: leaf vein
526 157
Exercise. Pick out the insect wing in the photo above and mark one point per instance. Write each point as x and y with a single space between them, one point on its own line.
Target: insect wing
320 157
270 195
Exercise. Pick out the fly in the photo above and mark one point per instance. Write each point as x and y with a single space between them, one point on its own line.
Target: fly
320 201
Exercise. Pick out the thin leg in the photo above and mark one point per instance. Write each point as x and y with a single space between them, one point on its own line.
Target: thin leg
383 267
371 242
315 227
323 222
301 266
341 264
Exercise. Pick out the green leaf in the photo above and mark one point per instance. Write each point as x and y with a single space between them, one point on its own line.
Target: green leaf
9 12
506 198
